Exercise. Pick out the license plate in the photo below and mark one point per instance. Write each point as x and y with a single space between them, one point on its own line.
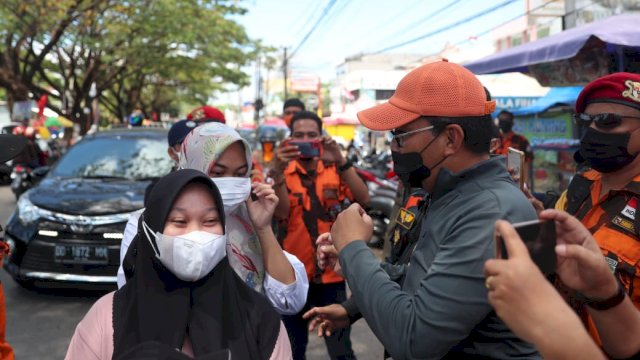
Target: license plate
81 254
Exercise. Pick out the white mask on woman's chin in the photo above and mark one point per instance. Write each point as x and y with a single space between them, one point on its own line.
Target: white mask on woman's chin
234 191
190 257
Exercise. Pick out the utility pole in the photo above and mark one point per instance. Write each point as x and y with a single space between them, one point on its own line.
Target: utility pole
569 20
257 104
285 70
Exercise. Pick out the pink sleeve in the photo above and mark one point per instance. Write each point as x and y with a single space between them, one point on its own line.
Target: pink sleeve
282 350
93 338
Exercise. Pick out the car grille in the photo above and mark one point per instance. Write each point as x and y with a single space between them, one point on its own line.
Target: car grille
40 257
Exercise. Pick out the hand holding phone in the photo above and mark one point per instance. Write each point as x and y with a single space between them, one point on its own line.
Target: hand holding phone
308 149
515 164
539 236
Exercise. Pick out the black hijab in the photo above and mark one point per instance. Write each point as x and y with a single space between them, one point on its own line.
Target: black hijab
216 312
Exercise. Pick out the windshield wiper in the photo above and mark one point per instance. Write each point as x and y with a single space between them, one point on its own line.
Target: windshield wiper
148 178
105 177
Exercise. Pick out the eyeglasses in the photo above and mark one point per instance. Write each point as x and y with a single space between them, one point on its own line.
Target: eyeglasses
399 137
602 121
291 112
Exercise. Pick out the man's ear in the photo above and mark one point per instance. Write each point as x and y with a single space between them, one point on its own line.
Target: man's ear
454 135
634 142
172 154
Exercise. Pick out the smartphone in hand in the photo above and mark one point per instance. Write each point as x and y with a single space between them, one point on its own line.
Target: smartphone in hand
540 238
515 161
307 148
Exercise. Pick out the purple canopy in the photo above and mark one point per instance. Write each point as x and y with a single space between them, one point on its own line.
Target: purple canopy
622 30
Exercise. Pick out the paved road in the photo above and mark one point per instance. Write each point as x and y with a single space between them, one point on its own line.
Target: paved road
41 323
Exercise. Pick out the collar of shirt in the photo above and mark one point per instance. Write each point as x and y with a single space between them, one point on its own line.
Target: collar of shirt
448 181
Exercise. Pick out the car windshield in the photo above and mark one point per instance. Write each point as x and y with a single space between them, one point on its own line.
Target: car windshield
118 157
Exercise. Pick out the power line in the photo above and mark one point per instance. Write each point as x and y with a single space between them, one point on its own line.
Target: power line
426 18
524 14
448 27
302 22
313 28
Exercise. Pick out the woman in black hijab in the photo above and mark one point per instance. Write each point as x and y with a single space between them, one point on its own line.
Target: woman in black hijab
183 294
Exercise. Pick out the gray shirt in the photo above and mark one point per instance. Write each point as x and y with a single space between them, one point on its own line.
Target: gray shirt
442 308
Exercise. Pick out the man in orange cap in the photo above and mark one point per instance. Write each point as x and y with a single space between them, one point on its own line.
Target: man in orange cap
605 196
440 118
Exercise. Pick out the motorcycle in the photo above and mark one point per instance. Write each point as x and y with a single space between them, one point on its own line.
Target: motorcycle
382 199
21 180
24 178
5 173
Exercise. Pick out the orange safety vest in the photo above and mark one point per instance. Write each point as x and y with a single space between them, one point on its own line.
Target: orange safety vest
407 228
614 224
257 171
515 141
6 352
312 214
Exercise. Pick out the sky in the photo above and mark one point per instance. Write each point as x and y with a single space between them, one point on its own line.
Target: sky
362 26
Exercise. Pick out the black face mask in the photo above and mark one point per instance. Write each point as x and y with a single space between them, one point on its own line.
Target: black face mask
605 152
505 126
410 168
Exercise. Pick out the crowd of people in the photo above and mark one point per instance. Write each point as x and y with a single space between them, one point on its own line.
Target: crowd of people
236 257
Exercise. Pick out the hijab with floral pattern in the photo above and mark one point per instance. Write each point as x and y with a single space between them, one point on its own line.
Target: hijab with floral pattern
204 145
200 151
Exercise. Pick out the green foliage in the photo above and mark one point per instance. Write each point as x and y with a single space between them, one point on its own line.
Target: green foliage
150 54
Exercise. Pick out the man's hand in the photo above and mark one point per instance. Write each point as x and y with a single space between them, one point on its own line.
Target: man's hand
581 265
284 154
521 296
261 210
332 152
351 225
326 254
537 204
327 318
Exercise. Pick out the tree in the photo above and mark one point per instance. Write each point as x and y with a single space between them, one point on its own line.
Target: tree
30 31
138 53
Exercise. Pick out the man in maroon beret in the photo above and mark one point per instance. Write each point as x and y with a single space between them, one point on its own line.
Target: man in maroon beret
605 196
207 113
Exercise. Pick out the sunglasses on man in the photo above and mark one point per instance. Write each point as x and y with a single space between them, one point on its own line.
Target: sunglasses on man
602 121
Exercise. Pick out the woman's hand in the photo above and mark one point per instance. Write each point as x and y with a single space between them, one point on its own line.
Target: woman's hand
581 265
261 210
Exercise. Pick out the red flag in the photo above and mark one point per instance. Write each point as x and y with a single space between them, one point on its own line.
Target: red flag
41 104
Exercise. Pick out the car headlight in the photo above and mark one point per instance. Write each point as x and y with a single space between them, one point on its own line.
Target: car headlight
27 212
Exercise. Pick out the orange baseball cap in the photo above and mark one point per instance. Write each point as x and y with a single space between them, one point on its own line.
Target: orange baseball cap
439 88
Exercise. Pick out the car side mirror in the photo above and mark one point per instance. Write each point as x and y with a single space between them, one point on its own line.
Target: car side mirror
40 171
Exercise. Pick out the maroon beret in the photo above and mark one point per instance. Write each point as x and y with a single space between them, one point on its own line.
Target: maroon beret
619 88
207 113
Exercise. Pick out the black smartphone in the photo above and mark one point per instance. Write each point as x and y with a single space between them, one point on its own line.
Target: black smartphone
254 197
540 238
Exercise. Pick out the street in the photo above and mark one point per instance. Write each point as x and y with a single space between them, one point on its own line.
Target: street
41 323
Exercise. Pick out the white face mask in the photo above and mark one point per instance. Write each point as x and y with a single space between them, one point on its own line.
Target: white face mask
234 191
190 257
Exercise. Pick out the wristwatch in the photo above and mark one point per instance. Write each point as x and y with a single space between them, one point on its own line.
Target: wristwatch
606 304
346 166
